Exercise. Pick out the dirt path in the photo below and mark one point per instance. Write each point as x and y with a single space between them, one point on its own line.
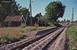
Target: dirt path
59 44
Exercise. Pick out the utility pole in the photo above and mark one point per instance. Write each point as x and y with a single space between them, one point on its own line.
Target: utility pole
72 15
31 12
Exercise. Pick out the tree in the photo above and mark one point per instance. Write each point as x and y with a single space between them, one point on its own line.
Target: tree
16 8
44 20
8 8
1 13
55 10
68 20
24 11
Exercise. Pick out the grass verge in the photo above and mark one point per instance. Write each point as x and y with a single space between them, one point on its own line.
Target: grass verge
12 34
72 36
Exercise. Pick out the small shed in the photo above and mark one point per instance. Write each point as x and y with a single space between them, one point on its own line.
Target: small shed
14 21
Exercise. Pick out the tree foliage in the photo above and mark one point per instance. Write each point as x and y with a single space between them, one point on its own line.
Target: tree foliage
1 12
55 10
44 20
24 11
6 9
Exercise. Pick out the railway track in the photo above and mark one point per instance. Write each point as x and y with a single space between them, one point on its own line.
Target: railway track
26 42
41 44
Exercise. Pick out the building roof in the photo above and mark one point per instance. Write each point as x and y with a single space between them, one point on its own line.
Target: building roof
13 18
38 15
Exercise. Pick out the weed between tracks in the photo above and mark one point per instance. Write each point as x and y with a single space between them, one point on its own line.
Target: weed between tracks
72 34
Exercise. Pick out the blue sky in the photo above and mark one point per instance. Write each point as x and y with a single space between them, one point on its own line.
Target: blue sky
39 6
